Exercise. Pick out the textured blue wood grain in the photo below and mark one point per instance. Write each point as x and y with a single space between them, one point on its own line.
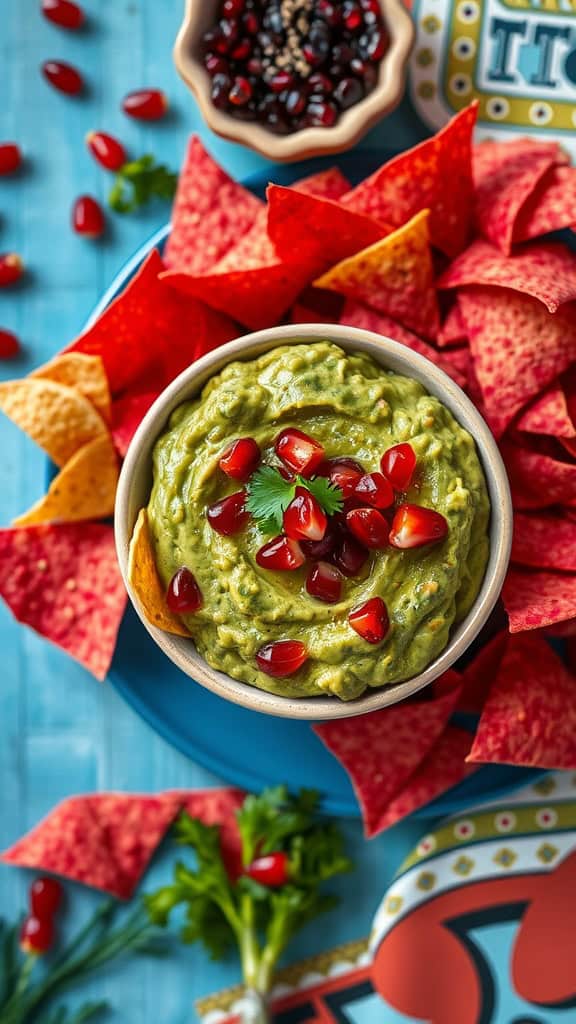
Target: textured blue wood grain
60 732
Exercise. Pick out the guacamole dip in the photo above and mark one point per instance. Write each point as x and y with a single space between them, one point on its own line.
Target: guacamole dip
354 409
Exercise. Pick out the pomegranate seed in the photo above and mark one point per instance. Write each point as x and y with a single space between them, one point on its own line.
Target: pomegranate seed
352 16
271 870
295 102
281 658
145 104
398 465
342 473
228 516
242 50
241 458
348 92
330 12
88 217
36 935
250 23
106 150
11 268
280 81
216 65
321 114
370 620
376 44
325 582
63 13
183 596
241 92
304 518
45 897
368 526
413 526
9 344
319 83
281 554
316 550
10 157
374 489
350 556
63 77
220 89
232 8
301 453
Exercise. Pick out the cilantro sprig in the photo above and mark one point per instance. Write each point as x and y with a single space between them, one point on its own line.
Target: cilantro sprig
269 495
138 182
221 912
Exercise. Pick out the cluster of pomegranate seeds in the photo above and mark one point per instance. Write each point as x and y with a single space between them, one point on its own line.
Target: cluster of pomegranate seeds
11 268
10 157
63 77
88 217
106 150
63 13
183 596
293 64
37 933
145 104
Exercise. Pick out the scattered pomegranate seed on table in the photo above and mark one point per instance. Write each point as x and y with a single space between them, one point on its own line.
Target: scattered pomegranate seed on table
374 489
107 150
183 596
282 658
271 870
88 217
280 554
398 465
370 620
45 897
10 157
300 453
228 515
304 518
324 582
9 344
63 77
63 13
369 527
36 935
241 459
414 526
11 268
145 104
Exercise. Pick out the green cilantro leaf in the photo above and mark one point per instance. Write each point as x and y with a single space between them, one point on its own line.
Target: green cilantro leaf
269 495
327 495
140 181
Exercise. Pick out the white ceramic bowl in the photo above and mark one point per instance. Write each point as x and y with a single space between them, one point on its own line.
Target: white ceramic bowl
136 480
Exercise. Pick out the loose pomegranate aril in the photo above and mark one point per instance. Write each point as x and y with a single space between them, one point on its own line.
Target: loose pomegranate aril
9 344
350 556
295 102
10 157
282 554
374 489
320 84
63 77
304 519
228 515
398 465
281 658
324 582
241 92
220 88
241 458
88 217
369 527
63 13
414 526
321 115
145 104
271 870
45 897
250 23
330 11
183 596
375 45
352 16
342 473
348 92
242 50
107 150
232 8
11 269
36 935
370 620
216 65
280 81
301 453
316 550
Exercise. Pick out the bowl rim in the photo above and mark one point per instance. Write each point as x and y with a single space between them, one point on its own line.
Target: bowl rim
136 474
351 126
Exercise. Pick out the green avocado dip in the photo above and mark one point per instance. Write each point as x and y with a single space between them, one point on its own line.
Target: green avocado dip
354 408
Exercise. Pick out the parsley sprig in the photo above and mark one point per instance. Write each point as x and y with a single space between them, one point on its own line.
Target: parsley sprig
269 495
138 182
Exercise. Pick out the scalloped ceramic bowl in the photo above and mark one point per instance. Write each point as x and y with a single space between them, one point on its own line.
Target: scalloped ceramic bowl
352 125
136 481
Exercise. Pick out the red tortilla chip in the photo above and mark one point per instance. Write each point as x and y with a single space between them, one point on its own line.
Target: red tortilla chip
536 479
517 346
529 718
381 751
562 630
127 415
394 276
63 580
453 329
357 315
536 599
548 414
435 175
457 362
479 675
551 207
211 212
547 271
505 176
444 767
329 184
544 541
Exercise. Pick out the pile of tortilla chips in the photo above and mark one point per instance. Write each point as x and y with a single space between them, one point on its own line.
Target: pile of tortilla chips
456 250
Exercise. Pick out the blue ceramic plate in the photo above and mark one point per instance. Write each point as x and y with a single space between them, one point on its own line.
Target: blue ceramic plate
246 748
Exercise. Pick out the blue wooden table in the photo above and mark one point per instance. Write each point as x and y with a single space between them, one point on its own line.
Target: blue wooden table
60 731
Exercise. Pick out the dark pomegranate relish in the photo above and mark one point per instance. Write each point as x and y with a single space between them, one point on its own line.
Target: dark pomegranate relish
293 64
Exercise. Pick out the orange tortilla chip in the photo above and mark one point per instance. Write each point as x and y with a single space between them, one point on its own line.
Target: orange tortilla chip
84 489
145 582
55 416
84 373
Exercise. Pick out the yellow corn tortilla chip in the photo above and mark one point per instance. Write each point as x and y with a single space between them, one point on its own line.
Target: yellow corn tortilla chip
84 373
55 416
84 489
145 582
